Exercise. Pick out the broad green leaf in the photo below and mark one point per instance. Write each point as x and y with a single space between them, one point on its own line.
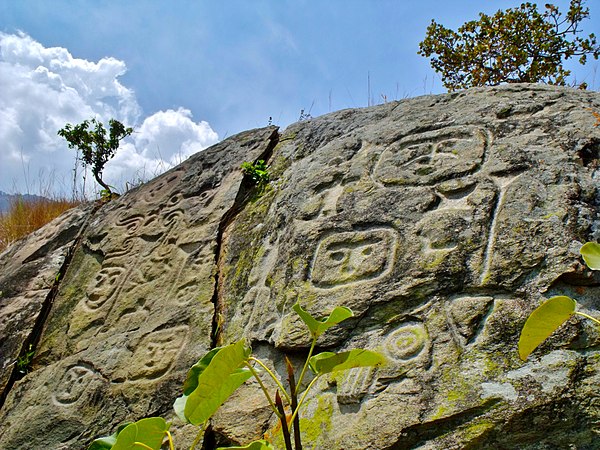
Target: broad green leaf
543 321
327 362
150 432
318 327
256 445
191 381
591 255
107 442
217 382
179 407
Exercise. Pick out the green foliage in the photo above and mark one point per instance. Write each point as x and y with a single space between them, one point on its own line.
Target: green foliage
256 445
517 45
543 321
24 361
328 362
553 313
212 380
258 173
106 195
107 442
591 255
318 327
96 147
144 434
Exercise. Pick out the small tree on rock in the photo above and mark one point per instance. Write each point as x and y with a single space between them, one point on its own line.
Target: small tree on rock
96 148
519 45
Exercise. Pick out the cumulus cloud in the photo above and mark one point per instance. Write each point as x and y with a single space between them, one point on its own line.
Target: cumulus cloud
45 88
162 141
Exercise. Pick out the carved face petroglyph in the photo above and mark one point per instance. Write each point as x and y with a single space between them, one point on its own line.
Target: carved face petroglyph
428 158
72 385
156 352
353 257
103 286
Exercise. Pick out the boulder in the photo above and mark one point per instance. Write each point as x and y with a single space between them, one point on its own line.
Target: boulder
441 221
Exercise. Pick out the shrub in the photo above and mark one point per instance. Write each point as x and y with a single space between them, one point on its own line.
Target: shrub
96 149
517 45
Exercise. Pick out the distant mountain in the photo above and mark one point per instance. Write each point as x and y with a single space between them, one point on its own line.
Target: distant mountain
7 199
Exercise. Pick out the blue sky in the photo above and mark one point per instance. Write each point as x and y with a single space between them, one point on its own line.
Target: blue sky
186 74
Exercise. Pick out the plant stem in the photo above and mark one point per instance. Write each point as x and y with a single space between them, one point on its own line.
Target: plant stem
171 446
283 419
294 395
264 389
200 434
588 317
310 352
304 397
281 388
140 444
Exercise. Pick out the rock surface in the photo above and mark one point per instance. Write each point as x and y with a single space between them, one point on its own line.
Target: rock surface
442 221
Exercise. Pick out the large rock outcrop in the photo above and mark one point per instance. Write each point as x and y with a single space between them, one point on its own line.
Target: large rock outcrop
442 221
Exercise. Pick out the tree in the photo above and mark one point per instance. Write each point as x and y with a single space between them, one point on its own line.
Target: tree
96 150
513 46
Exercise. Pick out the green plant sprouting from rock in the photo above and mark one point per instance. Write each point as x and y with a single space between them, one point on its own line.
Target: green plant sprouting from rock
258 173
219 373
554 312
24 361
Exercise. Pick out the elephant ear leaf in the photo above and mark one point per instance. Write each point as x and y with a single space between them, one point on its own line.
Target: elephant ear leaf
191 381
591 255
543 321
327 362
221 377
107 442
318 326
149 432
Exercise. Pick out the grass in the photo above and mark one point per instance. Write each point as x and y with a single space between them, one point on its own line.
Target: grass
26 216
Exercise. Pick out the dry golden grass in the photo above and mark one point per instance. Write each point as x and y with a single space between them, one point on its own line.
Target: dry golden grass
25 217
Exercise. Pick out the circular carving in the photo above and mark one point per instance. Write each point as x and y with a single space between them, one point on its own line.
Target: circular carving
406 342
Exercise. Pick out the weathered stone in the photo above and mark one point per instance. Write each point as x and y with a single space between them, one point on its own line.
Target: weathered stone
441 226
135 308
442 221
28 271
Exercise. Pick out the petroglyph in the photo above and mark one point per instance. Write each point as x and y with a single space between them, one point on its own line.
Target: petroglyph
103 287
131 223
502 187
73 384
355 385
162 188
323 201
353 257
431 157
257 312
134 316
406 342
406 348
466 317
155 354
263 315
328 200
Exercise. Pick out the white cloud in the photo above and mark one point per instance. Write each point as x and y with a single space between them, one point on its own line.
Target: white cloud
45 88
162 141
